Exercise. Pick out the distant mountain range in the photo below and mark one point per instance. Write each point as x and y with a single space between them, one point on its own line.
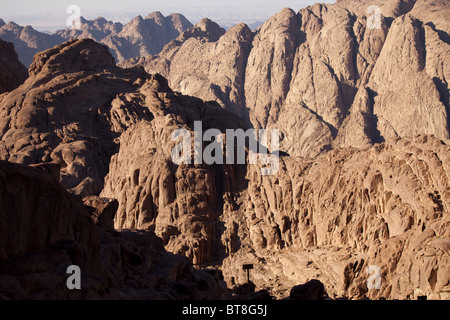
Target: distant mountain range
139 37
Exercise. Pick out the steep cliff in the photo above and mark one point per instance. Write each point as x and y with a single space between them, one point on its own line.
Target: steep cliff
12 72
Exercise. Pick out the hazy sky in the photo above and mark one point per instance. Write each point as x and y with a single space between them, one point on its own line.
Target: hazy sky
21 7
52 13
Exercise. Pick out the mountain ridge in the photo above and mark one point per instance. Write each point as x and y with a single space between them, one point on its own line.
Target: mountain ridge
125 41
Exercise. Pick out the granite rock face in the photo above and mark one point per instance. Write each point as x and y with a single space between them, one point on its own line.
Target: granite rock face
327 76
64 113
81 112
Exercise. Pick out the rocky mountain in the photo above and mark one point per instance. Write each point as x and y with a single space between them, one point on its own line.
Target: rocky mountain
12 72
360 201
139 37
71 123
324 76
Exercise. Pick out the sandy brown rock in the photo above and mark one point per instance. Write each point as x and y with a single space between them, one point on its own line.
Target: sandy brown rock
401 71
75 121
181 203
102 211
27 227
218 75
363 179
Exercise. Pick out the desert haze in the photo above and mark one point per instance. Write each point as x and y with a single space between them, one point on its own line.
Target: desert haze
357 208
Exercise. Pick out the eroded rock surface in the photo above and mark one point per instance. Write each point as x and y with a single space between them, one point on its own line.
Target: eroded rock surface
335 215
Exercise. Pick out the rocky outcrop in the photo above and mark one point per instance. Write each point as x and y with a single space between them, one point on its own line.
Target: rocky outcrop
102 211
69 112
77 108
12 72
312 290
204 77
181 203
27 227
27 41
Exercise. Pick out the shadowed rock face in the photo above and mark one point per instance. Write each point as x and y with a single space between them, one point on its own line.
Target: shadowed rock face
26 40
26 227
12 72
326 80
44 230
357 186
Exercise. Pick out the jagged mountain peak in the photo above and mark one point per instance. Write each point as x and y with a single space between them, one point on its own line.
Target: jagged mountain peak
155 15
322 68
101 20
73 56
206 29
136 21
12 26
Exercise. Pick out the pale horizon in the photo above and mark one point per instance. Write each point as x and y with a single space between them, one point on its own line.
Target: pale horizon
51 15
